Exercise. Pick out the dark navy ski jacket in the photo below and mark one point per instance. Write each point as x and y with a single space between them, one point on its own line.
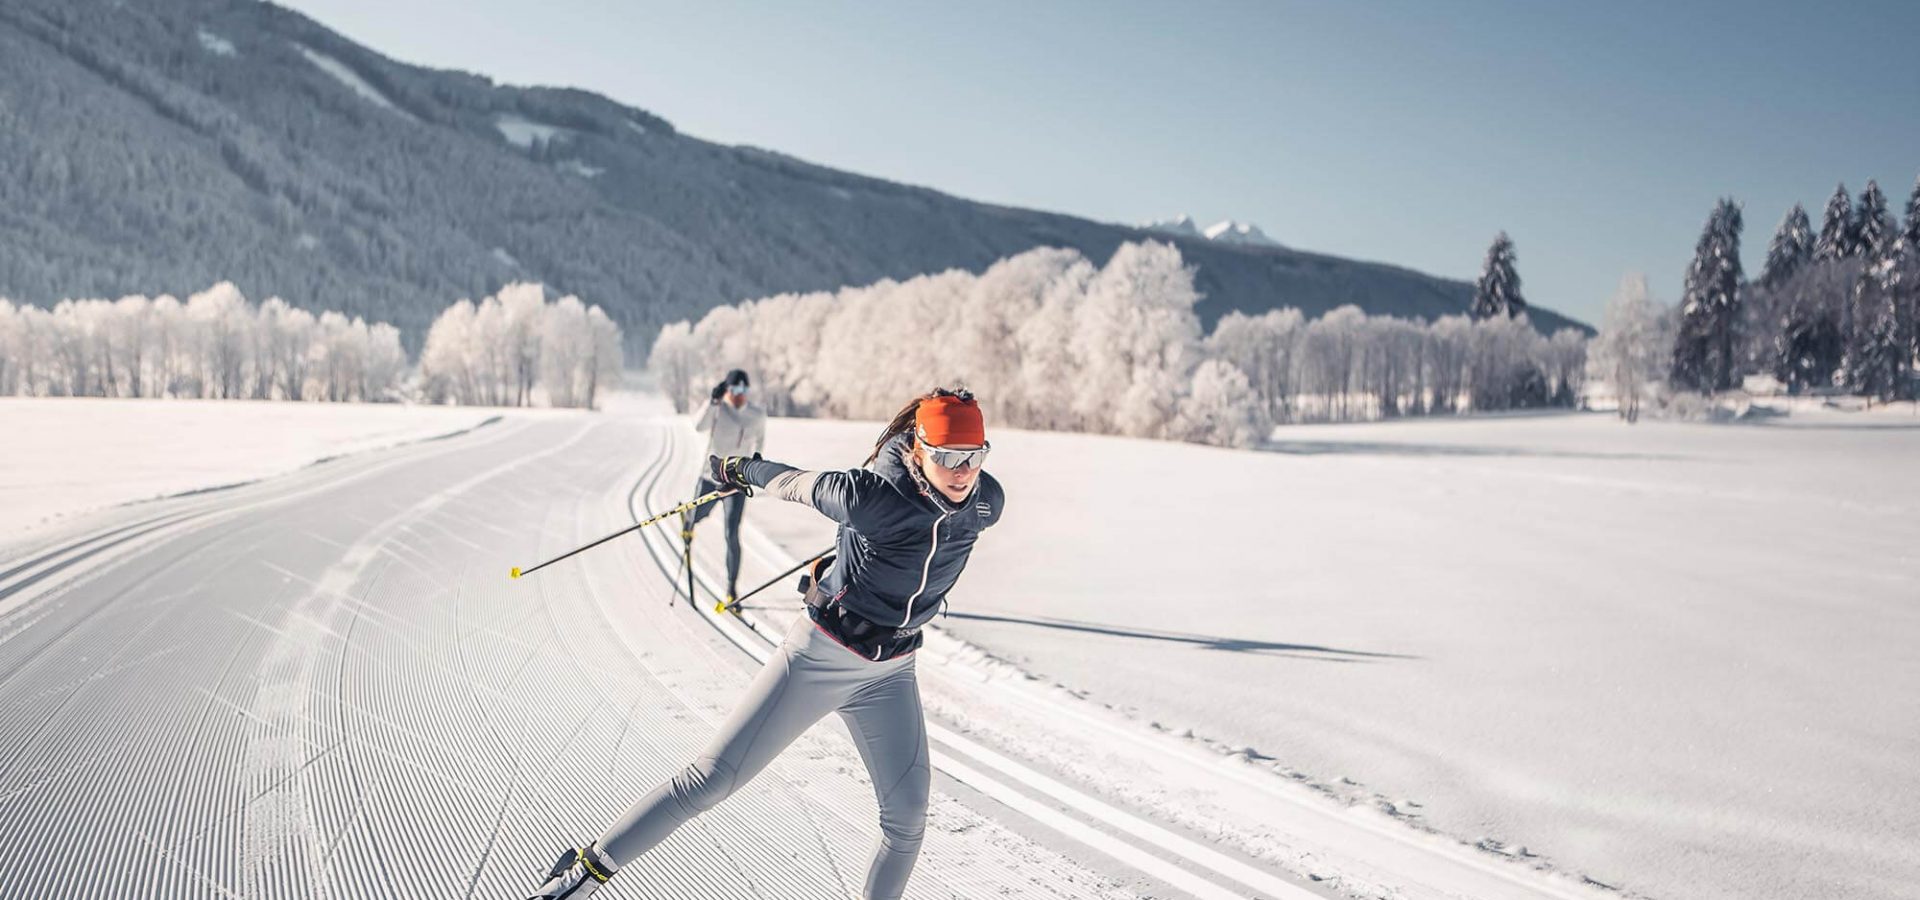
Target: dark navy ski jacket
901 544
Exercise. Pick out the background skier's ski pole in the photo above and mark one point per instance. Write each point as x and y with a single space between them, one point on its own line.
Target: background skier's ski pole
724 606
678 510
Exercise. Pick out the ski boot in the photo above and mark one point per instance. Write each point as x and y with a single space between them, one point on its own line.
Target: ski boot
576 875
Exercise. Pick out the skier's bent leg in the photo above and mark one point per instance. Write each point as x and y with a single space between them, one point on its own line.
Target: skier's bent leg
779 705
889 728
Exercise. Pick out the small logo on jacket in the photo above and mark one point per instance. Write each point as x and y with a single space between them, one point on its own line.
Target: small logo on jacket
985 510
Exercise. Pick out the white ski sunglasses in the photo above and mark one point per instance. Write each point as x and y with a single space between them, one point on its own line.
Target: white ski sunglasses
953 459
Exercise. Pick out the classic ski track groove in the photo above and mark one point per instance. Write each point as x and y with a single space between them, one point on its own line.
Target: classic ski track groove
418 730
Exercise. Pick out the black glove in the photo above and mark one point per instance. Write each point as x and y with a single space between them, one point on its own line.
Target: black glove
726 472
719 390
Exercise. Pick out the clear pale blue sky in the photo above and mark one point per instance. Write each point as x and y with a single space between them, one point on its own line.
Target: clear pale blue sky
1597 134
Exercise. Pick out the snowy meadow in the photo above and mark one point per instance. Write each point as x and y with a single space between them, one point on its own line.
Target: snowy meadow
1672 658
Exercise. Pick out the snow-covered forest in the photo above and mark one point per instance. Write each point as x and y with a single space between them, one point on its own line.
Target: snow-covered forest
510 349
1836 310
1059 343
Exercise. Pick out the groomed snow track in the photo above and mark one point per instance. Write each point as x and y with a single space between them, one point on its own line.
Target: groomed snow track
324 685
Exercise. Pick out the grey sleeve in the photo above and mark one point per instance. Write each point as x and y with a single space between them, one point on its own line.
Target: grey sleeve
705 420
835 494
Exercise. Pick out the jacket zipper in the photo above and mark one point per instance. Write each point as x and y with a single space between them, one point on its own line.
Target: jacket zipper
925 569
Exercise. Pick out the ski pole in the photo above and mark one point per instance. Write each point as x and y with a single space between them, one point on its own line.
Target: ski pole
682 508
724 606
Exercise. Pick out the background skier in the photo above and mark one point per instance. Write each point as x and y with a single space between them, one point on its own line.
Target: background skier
735 426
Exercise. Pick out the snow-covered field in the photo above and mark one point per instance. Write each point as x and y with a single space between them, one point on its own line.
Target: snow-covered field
70 455
1676 659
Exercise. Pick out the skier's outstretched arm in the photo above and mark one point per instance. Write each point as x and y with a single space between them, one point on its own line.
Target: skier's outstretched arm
835 494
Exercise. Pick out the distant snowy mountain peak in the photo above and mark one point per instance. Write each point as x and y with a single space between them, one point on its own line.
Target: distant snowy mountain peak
1179 226
1223 232
1227 231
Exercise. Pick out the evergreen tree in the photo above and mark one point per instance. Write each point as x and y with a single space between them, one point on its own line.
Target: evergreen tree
1498 290
1912 231
1879 355
1791 248
1836 228
1872 228
1703 347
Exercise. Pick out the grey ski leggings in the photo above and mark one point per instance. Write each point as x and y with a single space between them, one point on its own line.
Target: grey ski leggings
735 505
809 676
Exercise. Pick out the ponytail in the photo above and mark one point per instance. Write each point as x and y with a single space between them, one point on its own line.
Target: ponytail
903 421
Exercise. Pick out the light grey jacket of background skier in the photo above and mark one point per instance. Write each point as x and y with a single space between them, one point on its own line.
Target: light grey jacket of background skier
735 426
733 431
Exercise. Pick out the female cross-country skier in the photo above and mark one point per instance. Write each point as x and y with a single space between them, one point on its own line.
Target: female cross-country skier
908 520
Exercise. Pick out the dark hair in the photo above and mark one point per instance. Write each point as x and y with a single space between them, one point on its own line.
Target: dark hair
903 420
739 377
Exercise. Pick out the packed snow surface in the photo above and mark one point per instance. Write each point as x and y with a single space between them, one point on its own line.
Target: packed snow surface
1673 658
347 76
522 132
70 455
216 45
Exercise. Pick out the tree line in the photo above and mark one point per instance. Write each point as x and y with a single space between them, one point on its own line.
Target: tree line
512 349
1832 310
1055 342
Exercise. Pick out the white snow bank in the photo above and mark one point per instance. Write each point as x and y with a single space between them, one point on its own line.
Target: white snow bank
216 45
66 456
1668 657
352 80
522 132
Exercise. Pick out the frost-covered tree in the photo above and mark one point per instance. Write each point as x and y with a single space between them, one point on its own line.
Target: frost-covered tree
1630 355
602 366
579 353
1703 357
289 346
1445 349
223 325
10 348
1136 339
1811 339
1872 228
1497 293
1502 370
1328 352
1565 364
1912 229
1221 408
1836 240
1791 248
1879 358
672 363
515 346
1264 347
